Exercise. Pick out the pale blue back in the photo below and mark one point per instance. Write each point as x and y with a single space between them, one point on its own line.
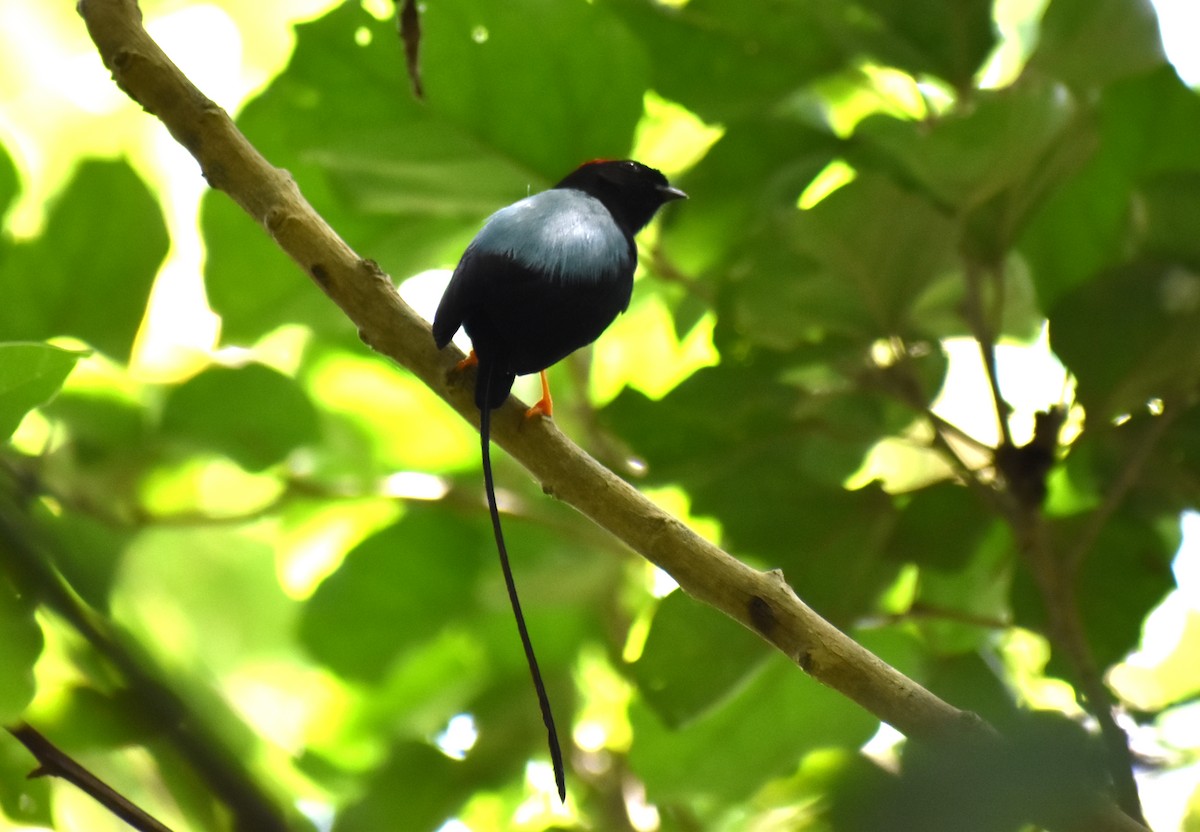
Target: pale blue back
558 231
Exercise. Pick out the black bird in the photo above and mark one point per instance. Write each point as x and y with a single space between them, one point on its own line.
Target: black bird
544 277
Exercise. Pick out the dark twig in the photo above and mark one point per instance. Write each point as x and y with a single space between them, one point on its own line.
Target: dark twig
28 558
408 22
1065 629
985 334
54 762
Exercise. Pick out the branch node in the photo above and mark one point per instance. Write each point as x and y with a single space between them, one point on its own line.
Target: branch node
762 616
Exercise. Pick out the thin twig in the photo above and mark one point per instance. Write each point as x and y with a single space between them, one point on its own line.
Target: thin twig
54 762
977 319
1065 629
28 558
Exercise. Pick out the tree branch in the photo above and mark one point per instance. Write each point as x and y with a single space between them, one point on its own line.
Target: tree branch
29 561
762 601
54 762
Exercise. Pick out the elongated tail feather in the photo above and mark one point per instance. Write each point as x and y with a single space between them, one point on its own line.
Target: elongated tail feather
485 421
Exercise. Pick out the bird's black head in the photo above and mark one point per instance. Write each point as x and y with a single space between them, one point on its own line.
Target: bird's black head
631 191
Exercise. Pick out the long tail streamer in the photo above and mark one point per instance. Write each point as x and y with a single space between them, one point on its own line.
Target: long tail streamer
556 758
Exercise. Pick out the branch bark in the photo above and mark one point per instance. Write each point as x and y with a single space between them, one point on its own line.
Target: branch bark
762 601
54 762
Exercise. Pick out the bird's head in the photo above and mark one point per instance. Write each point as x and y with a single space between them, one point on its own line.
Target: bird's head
631 191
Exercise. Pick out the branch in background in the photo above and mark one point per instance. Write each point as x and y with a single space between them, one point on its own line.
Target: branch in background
1065 630
1057 576
28 559
762 601
54 762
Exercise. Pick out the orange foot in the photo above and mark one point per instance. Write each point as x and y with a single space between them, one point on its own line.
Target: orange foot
545 405
470 361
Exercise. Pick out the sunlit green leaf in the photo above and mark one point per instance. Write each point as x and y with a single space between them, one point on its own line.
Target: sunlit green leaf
775 488
964 159
395 590
254 414
417 789
686 635
1091 42
407 182
719 60
206 597
946 39
20 645
23 799
83 276
778 716
9 188
30 374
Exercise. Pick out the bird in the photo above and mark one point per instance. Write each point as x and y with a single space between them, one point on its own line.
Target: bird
542 278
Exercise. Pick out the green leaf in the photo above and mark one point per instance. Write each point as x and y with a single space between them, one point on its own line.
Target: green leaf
1049 768
777 717
394 591
417 788
204 597
1171 205
483 60
514 102
10 186
83 277
940 526
971 682
253 414
1090 224
1150 319
1090 43
1147 121
1124 576
235 246
24 800
757 169
686 635
932 37
868 261
20 645
958 612
882 245
969 156
30 375
768 460
88 550
719 59
105 428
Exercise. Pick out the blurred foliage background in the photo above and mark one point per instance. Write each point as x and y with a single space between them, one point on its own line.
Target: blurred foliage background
246 563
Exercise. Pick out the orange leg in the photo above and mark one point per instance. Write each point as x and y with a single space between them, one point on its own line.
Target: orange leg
545 406
470 361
